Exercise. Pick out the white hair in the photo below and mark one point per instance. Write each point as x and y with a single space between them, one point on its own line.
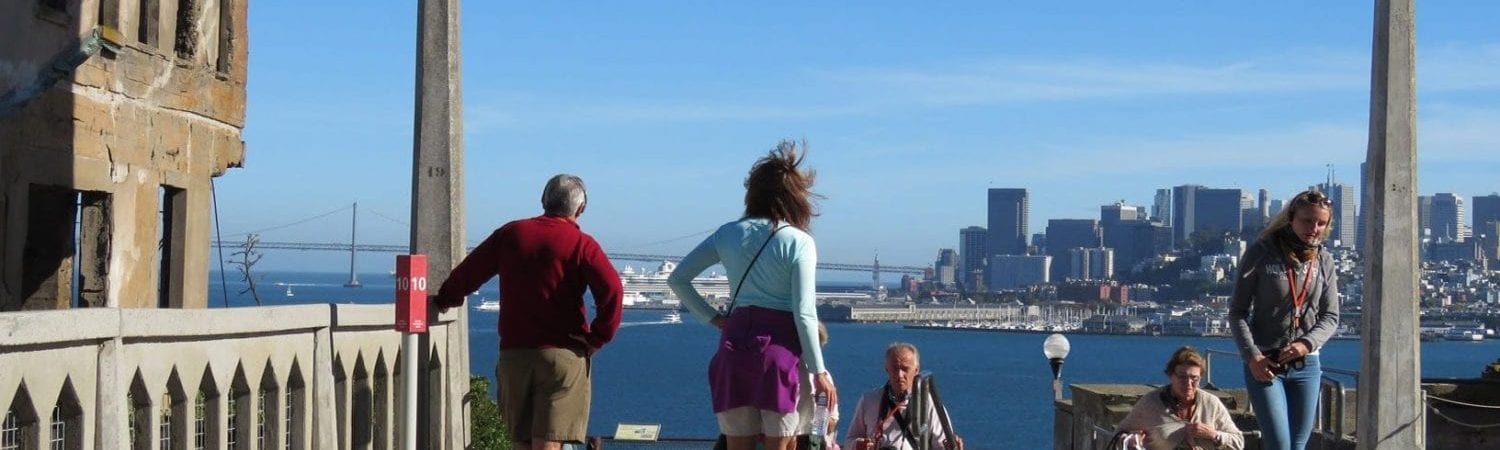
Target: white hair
564 195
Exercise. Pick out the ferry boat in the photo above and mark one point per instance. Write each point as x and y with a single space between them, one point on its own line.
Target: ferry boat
1464 334
487 305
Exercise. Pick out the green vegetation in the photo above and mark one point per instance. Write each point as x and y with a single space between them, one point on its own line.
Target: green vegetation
489 427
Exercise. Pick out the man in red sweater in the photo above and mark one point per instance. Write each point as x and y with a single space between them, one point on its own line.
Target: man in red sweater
544 264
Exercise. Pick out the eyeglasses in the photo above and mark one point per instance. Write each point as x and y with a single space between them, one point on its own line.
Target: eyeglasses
1312 198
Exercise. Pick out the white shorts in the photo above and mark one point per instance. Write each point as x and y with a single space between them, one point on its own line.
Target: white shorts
750 421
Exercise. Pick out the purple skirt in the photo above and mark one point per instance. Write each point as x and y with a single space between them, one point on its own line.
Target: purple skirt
757 362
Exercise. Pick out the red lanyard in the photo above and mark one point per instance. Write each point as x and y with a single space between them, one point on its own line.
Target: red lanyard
1299 298
879 431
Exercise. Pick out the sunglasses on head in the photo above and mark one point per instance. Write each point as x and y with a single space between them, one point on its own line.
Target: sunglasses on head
1313 197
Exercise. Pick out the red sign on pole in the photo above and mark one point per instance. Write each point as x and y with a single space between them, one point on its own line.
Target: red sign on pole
411 293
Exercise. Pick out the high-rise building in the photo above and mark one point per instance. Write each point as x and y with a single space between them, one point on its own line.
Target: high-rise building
1276 205
1091 263
1063 235
1038 242
1486 210
1264 206
1119 212
1008 216
1196 208
1161 208
971 252
1017 271
1343 217
1424 216
1486 224
946 268
1447 218
1134 242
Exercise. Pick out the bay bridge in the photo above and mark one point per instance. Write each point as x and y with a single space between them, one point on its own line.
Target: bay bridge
354 247
614 256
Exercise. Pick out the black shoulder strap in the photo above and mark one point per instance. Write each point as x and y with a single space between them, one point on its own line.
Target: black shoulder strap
734 296
887 403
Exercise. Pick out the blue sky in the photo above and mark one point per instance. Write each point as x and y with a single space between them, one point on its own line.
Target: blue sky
911 109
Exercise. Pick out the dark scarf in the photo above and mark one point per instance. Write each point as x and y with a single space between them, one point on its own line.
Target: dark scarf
1293 248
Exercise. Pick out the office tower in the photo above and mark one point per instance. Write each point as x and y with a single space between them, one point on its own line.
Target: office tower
1486 210
1091 263
1424 216
1276 205
971 252
1161 209
1017 271
946 268
1008 216
1137 241
1119 212
1264 206
1447 218
1486 228
1064 235
1342 214
1184 211
1039 241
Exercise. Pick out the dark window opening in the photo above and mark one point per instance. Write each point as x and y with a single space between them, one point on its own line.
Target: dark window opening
225 39
171 245
109 14
55 5
187 30
91 236
46 277
147 28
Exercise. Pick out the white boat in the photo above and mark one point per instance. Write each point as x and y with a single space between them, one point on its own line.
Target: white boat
289 291
487 305
646 289
1464 334
672 317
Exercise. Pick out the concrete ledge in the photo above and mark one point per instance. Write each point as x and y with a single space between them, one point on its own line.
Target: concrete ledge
137 323
58 326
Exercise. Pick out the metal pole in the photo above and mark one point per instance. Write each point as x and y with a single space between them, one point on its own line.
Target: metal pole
409 350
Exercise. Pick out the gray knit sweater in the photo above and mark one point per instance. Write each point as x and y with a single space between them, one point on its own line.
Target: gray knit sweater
1260 313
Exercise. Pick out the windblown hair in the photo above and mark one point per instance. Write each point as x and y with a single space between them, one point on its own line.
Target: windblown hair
1185 356
776 189
1283 219
897 348
1279 231
563 195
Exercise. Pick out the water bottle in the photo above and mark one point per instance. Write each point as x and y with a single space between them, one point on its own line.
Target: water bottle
820 416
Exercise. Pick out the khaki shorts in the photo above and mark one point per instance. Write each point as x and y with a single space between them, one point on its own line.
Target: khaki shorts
544 394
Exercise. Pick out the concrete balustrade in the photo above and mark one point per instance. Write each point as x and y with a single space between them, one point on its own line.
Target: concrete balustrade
286 377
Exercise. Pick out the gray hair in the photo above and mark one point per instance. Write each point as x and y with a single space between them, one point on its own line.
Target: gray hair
897 348
564 195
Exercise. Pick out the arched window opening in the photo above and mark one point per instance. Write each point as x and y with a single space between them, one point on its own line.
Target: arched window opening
19 431
67 420
238 422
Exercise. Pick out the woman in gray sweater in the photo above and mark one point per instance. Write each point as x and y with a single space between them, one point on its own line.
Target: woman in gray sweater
1285 307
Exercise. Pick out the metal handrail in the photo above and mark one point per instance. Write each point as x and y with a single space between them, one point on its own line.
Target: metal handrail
924 390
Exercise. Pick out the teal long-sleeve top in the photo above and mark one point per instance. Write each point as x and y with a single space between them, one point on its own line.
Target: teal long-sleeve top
783 279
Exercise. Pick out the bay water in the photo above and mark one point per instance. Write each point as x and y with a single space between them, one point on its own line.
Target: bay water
997 385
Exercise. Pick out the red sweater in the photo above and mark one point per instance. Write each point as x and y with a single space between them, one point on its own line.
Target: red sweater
544 264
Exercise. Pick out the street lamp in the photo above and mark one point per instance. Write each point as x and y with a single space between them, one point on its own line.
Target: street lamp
1056 348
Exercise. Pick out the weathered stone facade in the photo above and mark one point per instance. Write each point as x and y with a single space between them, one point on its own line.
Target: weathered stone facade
118 154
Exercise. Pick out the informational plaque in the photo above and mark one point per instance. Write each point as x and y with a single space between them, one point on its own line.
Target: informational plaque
637 431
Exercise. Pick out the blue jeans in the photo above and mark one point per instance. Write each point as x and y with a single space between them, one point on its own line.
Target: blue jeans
1287 406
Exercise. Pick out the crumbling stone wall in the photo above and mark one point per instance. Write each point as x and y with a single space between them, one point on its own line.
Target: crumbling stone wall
119 153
